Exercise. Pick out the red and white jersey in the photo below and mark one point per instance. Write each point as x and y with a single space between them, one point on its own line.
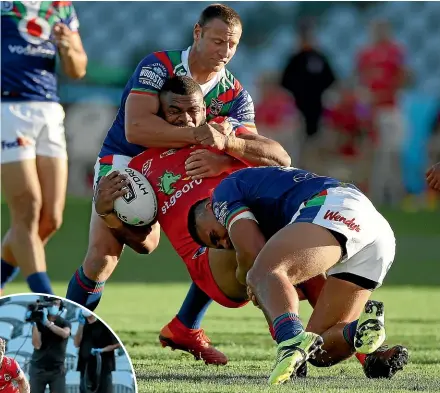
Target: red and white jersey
9 371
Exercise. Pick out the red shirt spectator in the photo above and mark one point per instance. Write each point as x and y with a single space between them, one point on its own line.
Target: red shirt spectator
381 67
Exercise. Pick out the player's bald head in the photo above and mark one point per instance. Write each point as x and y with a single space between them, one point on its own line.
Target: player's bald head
219 11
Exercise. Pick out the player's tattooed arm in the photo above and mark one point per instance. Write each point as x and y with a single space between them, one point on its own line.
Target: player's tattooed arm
248 241
144 239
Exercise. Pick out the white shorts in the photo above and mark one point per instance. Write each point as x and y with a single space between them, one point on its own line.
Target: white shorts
104 165
31 129
370 246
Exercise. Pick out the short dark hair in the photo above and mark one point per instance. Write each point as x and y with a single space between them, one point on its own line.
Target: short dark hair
182 85
219 11
194 212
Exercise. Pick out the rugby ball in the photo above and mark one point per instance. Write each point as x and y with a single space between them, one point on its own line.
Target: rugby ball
138 207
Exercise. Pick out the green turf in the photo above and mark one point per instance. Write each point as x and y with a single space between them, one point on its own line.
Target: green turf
137 312
418 238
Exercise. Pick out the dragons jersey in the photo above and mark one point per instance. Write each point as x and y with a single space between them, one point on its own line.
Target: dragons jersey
175 192
9 371
270 195
28 54
224 96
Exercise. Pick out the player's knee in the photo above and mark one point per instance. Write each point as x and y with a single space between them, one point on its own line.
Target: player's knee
25 211
49 224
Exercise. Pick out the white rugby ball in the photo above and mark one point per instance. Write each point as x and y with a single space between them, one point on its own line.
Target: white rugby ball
139 206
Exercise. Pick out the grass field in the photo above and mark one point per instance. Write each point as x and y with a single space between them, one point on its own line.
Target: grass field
145 292
137 312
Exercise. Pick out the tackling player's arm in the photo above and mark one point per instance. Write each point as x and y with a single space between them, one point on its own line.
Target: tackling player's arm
69 44
142 124
246 236
256 150
231 211
107 191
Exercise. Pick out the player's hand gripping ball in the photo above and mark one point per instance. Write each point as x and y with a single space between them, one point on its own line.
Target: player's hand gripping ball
133 197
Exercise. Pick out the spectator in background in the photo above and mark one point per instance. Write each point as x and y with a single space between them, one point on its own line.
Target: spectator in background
94 339
381 71
34 158
49 338
275 114
307 76
349 137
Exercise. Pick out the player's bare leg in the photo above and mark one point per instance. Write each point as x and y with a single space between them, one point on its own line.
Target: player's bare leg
295 254
21 188
341 302
52 173
106 244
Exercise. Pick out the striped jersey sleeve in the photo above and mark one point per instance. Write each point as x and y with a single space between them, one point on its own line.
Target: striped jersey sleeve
151 73
229 203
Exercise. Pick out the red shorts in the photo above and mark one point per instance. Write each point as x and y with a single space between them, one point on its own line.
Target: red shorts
200 272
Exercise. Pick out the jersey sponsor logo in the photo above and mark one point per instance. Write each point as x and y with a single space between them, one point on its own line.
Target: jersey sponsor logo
30 50
337 217
153 75
131 195
168 153
146 167
199 252
21 141
166 182
175 196
221 212
34 29
216 106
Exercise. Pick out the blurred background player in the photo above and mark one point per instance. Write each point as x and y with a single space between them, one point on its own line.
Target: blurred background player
382 71
49 338
307 76
93 338
12 379
34 159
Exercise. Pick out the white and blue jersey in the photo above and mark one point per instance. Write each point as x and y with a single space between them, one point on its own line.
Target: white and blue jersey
269 195
28 54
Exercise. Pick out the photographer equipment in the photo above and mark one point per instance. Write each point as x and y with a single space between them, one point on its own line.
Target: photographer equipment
35 310
92 375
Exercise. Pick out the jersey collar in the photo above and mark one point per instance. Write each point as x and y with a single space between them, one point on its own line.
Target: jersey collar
206 87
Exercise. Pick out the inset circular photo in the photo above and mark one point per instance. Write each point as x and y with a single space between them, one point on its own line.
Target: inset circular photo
50 344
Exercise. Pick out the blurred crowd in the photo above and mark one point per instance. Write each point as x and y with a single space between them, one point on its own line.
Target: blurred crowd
352 129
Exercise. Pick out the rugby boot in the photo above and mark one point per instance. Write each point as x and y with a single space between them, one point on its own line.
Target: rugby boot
385 361
292 354
302 371
370 331
194 341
